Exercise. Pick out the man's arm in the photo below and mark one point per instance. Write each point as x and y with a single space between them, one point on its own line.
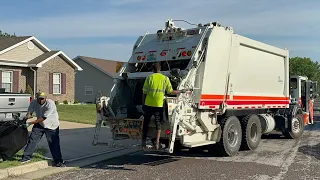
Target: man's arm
38 120
145 90
30 109
169 88
144 98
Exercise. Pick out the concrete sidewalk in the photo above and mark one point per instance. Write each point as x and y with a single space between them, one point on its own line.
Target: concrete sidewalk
76 140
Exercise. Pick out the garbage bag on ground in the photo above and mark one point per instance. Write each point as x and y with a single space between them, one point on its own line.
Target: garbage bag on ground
13 137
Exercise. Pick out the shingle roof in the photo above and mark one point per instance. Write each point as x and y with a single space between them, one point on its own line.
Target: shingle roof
42 57
6 42
6 61
109 66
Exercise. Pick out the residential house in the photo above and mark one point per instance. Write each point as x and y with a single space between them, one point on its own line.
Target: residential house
96 78
25 61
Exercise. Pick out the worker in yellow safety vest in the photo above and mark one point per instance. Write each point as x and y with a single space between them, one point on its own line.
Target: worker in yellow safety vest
154 90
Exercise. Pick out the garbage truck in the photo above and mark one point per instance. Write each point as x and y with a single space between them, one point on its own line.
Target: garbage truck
238 89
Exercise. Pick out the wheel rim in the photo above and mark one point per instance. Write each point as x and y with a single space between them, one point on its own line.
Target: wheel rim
254 132
232 135
295 125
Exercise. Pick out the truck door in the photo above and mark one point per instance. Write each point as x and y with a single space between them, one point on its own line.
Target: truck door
305 94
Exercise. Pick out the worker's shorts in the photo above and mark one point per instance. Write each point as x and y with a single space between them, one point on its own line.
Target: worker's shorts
158 114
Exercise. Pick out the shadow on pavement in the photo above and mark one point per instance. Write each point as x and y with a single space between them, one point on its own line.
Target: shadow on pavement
141 159
311 150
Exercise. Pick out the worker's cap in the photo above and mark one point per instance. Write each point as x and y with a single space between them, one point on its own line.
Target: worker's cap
42 95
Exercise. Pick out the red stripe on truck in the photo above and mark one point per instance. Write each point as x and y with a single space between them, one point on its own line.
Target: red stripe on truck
237 103
212 96
239 97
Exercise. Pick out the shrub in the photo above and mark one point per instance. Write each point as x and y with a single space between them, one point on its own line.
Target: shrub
65 102
76 102
29 90
56 102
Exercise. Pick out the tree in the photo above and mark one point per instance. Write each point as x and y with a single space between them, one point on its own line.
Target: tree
4 34
29 90
305 67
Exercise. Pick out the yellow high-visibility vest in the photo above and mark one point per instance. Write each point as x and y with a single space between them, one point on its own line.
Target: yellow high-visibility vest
155 86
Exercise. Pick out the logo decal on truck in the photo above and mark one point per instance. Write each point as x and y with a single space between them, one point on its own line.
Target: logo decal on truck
280 80
151 57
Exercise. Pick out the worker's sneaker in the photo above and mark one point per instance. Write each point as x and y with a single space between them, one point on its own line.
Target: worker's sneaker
61 164
25 160
143 144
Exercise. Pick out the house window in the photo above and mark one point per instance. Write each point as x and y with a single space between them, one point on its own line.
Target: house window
56 83
88 90
7 80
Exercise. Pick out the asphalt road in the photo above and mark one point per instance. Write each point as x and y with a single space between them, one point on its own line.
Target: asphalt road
276 158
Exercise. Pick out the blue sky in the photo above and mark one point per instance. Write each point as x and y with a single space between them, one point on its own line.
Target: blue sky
107 29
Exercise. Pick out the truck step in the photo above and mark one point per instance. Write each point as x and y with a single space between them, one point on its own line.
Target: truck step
196 144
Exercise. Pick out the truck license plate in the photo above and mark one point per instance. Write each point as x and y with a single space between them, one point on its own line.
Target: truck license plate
8 115
134 128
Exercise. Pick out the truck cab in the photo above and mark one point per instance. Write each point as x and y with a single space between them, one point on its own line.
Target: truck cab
303 92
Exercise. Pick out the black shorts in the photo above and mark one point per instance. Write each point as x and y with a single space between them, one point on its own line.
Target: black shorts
158 114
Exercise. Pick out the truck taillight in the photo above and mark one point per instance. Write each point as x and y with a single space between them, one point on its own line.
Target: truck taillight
184 53
168 132
31 99
189 53
141 58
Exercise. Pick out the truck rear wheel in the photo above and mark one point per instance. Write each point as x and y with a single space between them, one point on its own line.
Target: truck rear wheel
251 135
231 136
297 127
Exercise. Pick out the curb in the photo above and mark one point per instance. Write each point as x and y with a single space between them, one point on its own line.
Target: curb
23 169
71 165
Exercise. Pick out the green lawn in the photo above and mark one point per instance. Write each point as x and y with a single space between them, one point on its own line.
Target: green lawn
78 113
15 161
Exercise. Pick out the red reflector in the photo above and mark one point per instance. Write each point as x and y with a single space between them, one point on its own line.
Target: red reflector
168 132
31 99
124 129
184 53
163 53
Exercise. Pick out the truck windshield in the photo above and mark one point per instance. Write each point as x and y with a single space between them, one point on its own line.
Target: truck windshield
293 83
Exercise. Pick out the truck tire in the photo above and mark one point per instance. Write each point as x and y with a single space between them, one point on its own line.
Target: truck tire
297 127
231 136
251 134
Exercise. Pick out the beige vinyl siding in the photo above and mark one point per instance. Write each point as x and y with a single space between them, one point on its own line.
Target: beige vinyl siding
22 53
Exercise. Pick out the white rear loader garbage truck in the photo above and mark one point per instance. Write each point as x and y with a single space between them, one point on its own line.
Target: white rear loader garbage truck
239 89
